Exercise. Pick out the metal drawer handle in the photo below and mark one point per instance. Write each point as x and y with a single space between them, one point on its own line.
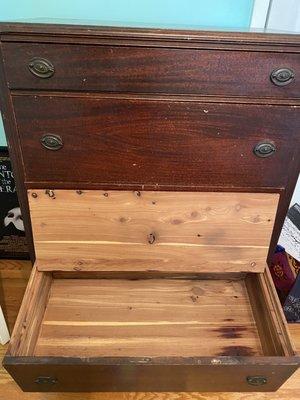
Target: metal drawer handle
264 149
45 380
256 380
52 142
41 67
282 76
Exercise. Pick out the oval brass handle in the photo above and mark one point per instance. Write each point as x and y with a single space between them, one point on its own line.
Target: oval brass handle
45 380
256 380
51 141
41 68
264 149
282 76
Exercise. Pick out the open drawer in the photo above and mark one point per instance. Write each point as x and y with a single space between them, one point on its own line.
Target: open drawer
87 332
150 291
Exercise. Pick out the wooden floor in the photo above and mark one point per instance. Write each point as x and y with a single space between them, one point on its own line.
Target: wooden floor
13 279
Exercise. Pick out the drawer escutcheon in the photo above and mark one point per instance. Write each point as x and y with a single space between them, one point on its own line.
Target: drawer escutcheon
52 142
282 76
264 149
45 380
41 68
256 380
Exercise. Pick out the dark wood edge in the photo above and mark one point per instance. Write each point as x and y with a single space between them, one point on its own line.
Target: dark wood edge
216 36
220 360
15 153
31 185
240 100
114 36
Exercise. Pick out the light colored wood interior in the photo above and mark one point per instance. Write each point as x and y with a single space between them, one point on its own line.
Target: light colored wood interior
14 276
63 314
149 317
31 313
146 231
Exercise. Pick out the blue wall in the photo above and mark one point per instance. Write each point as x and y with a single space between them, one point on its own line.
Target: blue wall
161 13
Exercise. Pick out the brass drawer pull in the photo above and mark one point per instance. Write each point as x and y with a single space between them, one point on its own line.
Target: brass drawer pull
264 149
282 76
256 380
52 142
45 380
41 67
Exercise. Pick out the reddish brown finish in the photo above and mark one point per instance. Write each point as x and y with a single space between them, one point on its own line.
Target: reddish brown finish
164 70
154 142
155 375
281 47
59 31
181 122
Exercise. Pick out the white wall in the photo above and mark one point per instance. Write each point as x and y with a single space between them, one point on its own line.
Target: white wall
284 15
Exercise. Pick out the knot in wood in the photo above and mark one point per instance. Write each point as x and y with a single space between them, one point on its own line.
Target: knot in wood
151 238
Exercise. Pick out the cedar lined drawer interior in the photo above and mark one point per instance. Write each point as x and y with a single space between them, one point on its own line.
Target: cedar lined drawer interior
154 170
149 276
146 333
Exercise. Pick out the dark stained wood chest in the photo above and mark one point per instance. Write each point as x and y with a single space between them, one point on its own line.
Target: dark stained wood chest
155 169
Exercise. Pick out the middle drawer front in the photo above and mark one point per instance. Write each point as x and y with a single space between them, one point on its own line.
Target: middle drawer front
176 144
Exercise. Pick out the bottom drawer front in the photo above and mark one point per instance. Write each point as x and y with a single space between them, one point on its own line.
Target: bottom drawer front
50 375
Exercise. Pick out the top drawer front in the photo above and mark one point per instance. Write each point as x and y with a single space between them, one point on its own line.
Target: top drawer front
151 70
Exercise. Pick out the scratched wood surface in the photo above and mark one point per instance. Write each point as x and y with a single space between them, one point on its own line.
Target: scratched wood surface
165 231
14 275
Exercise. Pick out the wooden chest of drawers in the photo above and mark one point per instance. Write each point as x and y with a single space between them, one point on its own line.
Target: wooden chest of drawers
154 169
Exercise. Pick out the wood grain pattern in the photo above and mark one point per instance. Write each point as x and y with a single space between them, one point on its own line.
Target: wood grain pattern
276 311
168 71
229 369
25 333
164 231
59 31
167 137
14 282
268 315
155 142
147 318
